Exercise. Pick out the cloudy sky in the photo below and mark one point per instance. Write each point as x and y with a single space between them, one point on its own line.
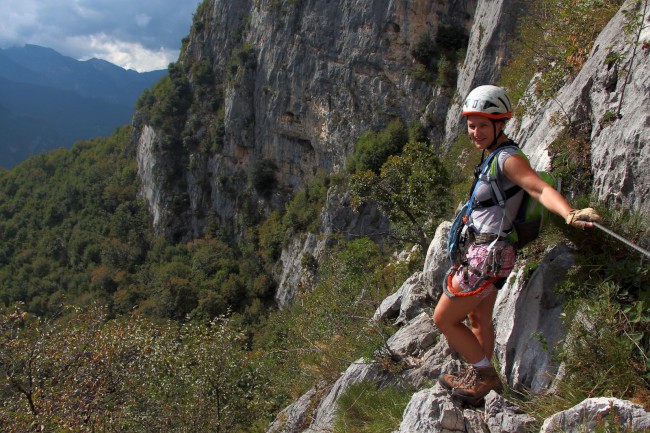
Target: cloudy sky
136 34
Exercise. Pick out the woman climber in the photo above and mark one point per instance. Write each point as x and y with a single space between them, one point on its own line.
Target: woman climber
488 257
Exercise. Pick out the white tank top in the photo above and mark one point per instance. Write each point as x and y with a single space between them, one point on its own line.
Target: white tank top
488 219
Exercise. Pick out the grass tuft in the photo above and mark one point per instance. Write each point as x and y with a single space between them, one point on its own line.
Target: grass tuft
364 408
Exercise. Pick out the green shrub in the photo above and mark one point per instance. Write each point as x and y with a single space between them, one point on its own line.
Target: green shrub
599 346
438 58
363 408
372 149
271 237
571 156
328 326
447 73
303 210
597 355
555 38
411 190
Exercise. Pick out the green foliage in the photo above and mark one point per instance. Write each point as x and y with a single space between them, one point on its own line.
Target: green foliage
571 156
416 131
85 372
168 101
363 408
242 59
271 234
328 327
213 141
597 354
71 220
424 50
555 39
439 58
202 73
303 210
447 73
75 231
607 349
461 160
598 347
411 189
372 149
200 17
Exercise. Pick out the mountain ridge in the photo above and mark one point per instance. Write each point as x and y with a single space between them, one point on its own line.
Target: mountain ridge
60 100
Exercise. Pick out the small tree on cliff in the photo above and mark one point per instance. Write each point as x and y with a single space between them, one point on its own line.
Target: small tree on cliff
411 189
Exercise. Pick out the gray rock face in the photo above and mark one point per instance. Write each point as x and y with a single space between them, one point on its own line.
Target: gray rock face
528 324
356 373
148 169
504 417
410 300
431 410
436 264
602 413
293 276
293 418
316 76
494 22
620 159
415 338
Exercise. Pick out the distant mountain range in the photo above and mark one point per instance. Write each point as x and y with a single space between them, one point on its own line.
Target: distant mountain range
48 100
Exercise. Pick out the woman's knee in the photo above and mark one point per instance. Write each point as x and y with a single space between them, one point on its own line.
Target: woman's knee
443 320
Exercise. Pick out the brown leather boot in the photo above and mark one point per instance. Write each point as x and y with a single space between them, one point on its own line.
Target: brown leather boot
451 381
477 384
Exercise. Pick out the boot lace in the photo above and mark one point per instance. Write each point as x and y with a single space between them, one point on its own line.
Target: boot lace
470 378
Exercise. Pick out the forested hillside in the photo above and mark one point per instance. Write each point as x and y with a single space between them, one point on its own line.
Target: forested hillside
75 232
140 273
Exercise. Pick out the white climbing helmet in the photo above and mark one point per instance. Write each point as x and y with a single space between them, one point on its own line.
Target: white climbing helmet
488 101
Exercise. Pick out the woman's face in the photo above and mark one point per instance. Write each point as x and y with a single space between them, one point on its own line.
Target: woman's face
481 131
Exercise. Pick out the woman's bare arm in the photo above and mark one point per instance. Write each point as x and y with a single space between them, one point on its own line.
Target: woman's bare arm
518 170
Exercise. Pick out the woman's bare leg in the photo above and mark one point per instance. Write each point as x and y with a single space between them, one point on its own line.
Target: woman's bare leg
480 319
474 344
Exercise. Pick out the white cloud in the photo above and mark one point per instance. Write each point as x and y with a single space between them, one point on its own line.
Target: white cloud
141 35
126 54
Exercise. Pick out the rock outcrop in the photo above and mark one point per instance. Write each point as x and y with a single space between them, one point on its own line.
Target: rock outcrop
604 88
603 413
527 324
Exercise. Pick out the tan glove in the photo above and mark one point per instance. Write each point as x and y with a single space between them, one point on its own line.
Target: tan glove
580 217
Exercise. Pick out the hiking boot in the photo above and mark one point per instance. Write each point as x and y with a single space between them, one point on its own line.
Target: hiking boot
451 381
477 384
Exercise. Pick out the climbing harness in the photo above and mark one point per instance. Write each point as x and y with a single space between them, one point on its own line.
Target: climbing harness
486 274
461 237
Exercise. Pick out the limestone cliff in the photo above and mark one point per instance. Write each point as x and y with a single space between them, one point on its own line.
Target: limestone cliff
291 83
